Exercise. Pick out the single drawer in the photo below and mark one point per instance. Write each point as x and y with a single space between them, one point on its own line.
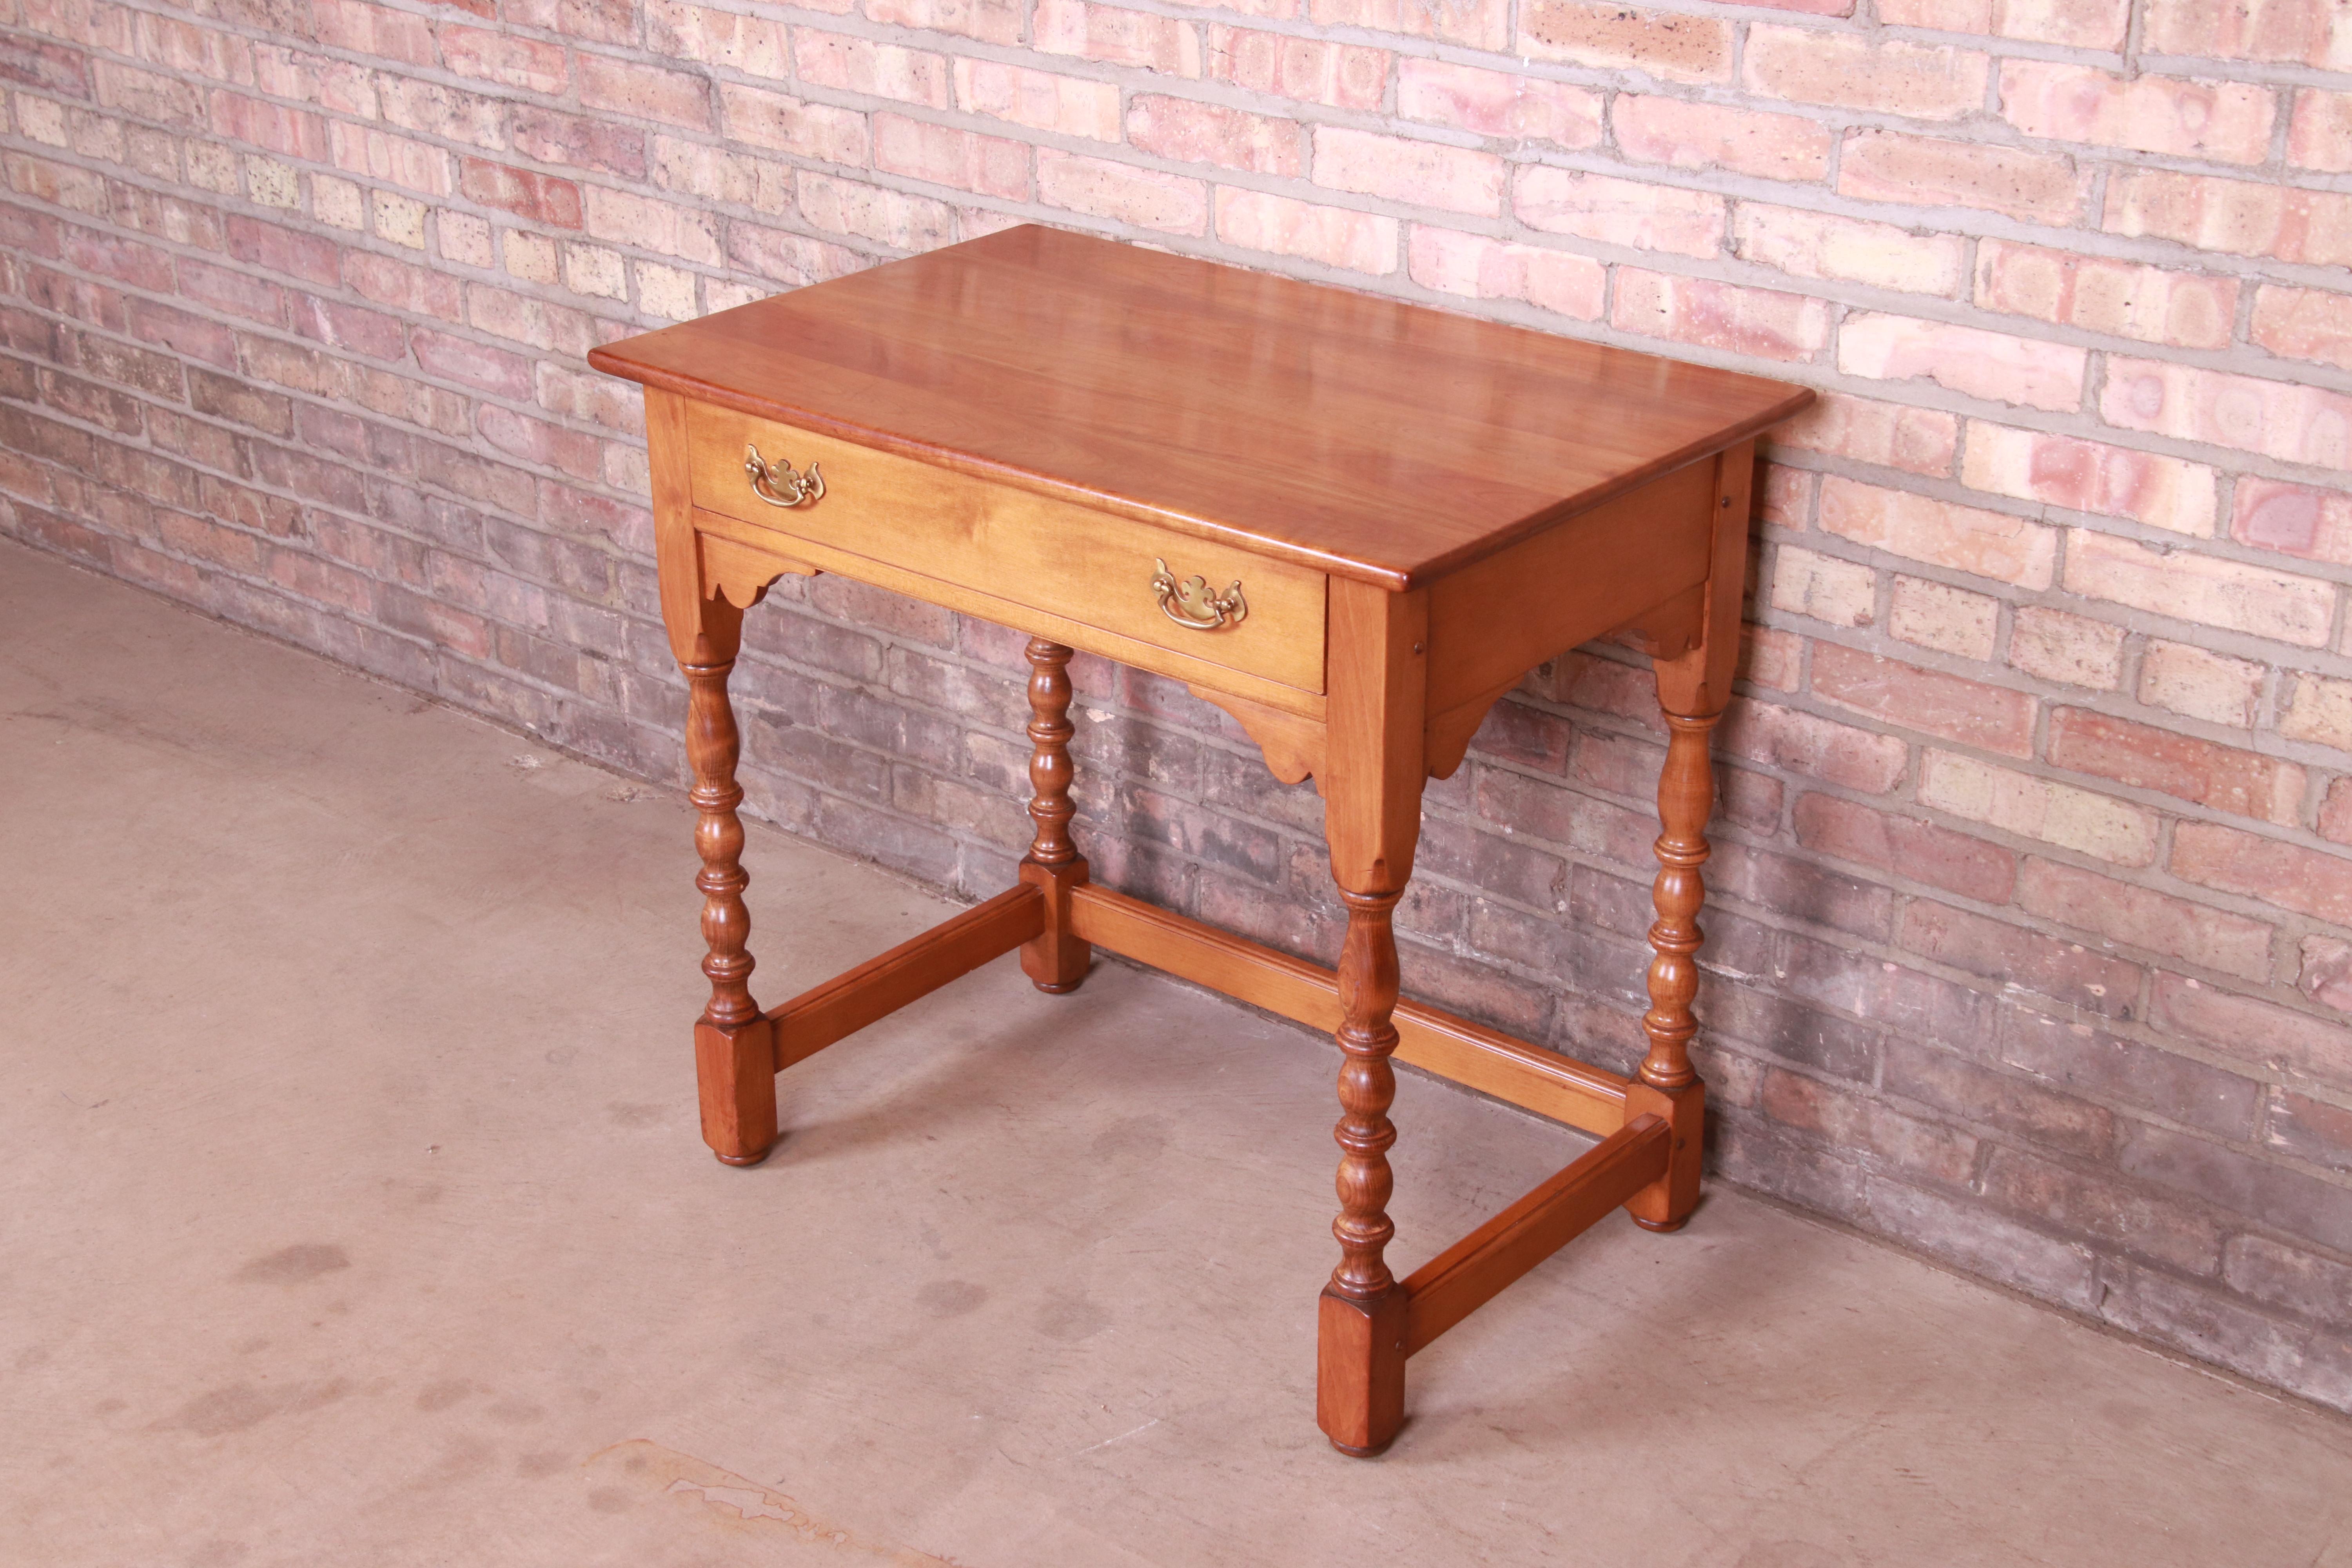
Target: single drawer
1092 567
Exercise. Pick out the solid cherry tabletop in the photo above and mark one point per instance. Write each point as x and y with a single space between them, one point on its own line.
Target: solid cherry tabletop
1363 436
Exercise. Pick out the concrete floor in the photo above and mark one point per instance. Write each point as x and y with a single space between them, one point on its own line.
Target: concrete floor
355 1213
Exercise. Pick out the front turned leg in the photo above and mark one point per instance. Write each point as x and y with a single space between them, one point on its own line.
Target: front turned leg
1686 800
734 1046
1359 1361
1054 960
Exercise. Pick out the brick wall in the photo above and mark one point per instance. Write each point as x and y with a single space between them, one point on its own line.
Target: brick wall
2033 935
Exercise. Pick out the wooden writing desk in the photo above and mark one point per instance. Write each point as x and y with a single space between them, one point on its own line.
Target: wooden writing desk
1351 523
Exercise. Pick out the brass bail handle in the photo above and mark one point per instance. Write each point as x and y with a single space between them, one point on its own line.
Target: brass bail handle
778 485
1191 605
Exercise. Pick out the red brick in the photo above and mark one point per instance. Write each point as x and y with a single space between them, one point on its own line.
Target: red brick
540 198
1851 70
2308 882
2244 783
1822 748
472 364
1663 43
1499 103
1917 171
193 336
645 91
2014 1104
552 138
1344 76
1686 135
2249 1030
2311 1129
311 257
2228 122
1925 699
295 133
2310 524
2279 1197
1920 850
352 327
2086 476
1850 1120
379 30
2139 917
2103 1208
1192 132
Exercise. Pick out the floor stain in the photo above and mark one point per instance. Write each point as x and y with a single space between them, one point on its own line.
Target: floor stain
641 1470
242 1406
292 1264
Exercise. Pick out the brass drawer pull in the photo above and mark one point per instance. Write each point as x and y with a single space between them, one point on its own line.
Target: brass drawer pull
776 484
1191 605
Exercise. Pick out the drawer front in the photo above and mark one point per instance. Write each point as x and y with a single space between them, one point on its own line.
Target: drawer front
1084 565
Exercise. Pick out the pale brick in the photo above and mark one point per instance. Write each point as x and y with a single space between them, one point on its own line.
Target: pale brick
2083 24
2096 825
1685 135
2292 32
666 291
1916 440
943 155
1784 497
2226 123
1660 44
2088 476
2320 135
463 238
1335 236
2139 917
1968 359
1822 748
1854 250
594 269
2294 520
1116 35
1344 76
686 32
1145 197
1398 169
1940 617
1192 132
2210 592
2296 424
509 60
2199 683
1620 212
2238 216
1851 70
991 21
399 219
1499 103
644 92
2305 324
396 160
2073 649
1925 172
1479 24
793 125
1984 543
2098 294
1043 100
861 64
2320 711
1805 582
528 255
342 204
1759 322
664 227
895 218
1482 268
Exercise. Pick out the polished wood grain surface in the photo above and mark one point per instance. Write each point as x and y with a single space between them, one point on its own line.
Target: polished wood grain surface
1372 438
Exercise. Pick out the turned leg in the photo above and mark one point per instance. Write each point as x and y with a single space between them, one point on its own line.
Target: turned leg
1055 960
1374 765
1359 1392
1686 799
734 1046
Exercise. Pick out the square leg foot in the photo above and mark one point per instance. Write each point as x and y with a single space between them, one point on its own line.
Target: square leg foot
1359 1371
735 1068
